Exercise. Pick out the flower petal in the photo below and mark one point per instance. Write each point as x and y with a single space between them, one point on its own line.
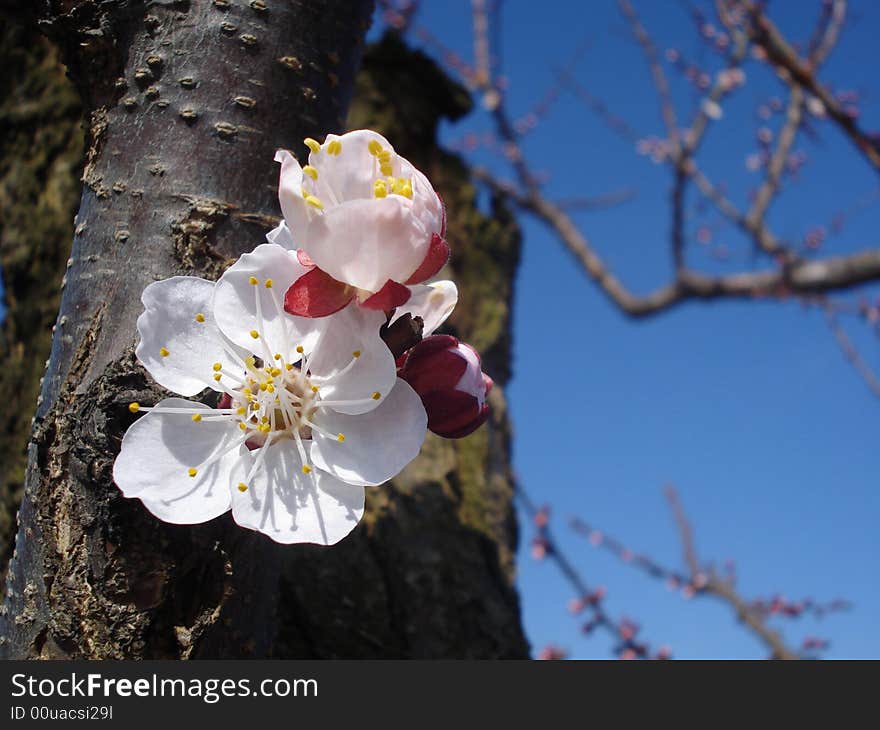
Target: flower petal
290 183
158 449
235 302
179 339
373 371
351 173
377 444
282 236
435 259
432 302
367 242
291 507
316 294
389 297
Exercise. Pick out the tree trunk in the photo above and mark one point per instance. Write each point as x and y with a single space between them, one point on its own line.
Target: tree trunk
187 102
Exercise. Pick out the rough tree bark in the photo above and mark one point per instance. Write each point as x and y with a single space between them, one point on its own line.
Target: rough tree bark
187 102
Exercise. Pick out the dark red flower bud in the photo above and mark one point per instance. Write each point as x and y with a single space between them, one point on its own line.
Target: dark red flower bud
448 377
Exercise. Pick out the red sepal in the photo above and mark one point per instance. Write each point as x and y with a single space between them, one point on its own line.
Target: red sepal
316 294
437 256
441 371
469 428
388 297
304 258
225 401
452 412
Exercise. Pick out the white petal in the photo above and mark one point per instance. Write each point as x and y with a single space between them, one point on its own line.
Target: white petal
293 207
282 236
432 302
235 303
350 174
374 371
377 444
426 203
170 323
158 450
367 242
292 507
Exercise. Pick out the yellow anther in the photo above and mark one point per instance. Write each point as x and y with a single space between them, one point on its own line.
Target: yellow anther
192 471
242 427
299 349
275 372
263 386
277 356
200 317
289 366
253 280
385 168
379 189
269 283
384 156
241 410
314 202
311 172
217 367
163 352
249 361
134 407
247 391
334 147
270 388
197 417
255 334
242 487
264 419
406 190
307 469
217 377
340 438
316 388
312 144
376 395
356 353
374 147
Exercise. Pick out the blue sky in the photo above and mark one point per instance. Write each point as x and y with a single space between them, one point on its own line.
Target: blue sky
748 408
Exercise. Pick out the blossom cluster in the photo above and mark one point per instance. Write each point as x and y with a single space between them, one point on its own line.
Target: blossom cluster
310 404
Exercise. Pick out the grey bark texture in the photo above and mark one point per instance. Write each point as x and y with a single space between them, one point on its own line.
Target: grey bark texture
186 103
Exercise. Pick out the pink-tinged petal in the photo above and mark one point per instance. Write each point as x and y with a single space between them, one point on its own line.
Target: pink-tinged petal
452 412
290 183
470 427
436 258
488 382
364 243
389 297
316 294
304 259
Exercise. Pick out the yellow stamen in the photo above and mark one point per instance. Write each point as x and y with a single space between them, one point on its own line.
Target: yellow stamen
163 352
299 349
197 417
312 144
217 367
241 410
242 427
334 147
289 366
314 202
406 190
263 386
242 487
275 372
311 172
376 395
200 317
384 156
255 334
340 438
385 168
356 353
379 189
374 147
253 280
269 283
134 407
217 377
316 388
277 355
307 469
270 388
192 471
